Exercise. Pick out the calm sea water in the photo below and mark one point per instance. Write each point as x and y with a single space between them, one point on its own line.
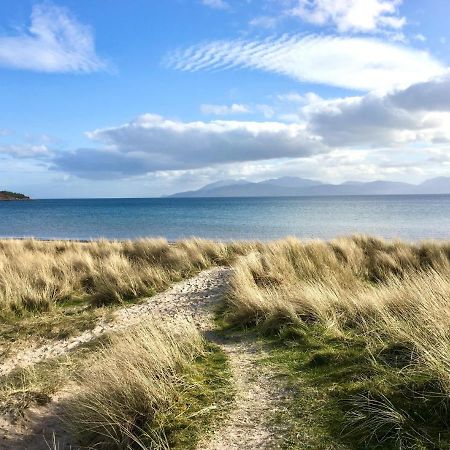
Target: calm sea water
407 217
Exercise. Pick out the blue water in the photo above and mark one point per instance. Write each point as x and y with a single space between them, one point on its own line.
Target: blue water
407 217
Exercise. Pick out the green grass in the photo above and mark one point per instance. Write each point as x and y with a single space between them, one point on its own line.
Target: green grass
203 399
202 406
344 397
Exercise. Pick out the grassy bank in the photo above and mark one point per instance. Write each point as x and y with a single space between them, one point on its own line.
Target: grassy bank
39 275
55 289
360 327
355 331
162 386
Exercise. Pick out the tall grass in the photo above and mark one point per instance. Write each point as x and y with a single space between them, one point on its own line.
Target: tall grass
393 294
37 275
129 387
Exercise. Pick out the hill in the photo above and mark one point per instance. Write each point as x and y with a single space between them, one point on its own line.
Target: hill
6 195
295 186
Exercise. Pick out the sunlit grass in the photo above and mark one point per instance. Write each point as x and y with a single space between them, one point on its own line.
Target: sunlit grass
387 302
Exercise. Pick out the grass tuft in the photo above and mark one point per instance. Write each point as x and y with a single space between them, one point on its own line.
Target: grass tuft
160 387
383 311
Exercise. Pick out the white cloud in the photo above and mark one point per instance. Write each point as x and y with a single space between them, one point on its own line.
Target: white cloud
295 97
266 110
402 133
216 4
55 42
349 62
351 15
420 37
25 151
224 110
369 121
264 22
417 114
151 143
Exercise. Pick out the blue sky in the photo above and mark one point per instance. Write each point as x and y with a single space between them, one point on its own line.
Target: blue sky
145 98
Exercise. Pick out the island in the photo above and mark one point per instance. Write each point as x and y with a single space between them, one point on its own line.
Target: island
6 195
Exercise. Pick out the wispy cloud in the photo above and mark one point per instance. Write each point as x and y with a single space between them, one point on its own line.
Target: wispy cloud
350 15
216 4
349 62
5 132
25 151
54 42
264 22
224 110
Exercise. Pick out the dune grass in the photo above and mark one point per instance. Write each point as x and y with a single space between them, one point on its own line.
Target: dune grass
161 387
55 289
383 313
356 328
38 275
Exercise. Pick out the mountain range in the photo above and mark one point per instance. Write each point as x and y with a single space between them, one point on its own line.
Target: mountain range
295 186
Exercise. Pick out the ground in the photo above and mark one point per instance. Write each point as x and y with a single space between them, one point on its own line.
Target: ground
256 396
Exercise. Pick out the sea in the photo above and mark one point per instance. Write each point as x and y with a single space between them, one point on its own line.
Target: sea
412 217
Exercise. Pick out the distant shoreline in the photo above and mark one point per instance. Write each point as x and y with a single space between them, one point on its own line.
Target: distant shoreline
8 196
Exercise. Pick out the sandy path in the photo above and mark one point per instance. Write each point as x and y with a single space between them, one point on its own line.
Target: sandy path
191 297
247 427
257 397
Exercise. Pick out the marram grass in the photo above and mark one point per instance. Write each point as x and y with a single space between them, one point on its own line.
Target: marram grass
382 313
38 275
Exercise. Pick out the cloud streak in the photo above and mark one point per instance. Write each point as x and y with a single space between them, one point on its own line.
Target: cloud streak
216 4
349 62
224 110
54 42
25 151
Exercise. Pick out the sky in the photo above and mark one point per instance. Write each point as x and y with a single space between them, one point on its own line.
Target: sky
142 98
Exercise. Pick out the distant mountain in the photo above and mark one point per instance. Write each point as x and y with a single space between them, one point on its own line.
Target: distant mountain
279 187
291 182
224 183
371 188
294 186
440 185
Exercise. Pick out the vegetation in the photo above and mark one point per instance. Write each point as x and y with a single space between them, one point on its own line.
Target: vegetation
155 380
162 387
364 325
356 331
39 275
53 289
7 195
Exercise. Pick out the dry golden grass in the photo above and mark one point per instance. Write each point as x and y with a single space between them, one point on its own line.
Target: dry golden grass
37 275
387 291
143 374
